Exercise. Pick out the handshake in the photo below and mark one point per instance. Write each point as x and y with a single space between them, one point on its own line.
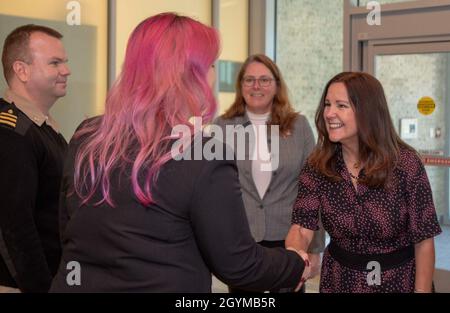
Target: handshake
312 266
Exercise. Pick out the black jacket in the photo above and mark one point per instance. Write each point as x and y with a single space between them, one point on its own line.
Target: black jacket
31 163
197 226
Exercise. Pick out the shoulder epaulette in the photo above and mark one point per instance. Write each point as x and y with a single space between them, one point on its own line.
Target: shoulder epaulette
11 117
8 118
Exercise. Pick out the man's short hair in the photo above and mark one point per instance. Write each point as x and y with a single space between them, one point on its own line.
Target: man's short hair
17 46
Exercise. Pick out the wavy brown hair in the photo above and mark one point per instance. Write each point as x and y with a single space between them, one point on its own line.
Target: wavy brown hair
379 144
282 113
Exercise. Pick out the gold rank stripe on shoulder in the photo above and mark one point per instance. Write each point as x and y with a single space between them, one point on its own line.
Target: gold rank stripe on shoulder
9 114
8 119
7 123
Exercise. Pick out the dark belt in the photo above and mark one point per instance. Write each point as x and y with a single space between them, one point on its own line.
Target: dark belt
360 261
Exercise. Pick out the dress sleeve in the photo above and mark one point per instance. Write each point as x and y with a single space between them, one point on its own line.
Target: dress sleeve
307 204
423 223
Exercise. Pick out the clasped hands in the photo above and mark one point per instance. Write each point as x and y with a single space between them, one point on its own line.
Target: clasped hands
312 266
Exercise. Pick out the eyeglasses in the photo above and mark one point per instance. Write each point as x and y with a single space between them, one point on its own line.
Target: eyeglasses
263 81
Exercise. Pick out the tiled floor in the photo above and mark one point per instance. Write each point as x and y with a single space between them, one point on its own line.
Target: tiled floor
442 243
218 287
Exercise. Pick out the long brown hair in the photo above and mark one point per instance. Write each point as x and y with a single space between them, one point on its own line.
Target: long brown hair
379 144
282 112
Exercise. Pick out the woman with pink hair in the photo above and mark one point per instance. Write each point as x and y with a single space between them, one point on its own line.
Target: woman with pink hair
132 218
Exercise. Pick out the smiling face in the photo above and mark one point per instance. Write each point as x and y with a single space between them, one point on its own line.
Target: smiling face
48 71
258 99
339 116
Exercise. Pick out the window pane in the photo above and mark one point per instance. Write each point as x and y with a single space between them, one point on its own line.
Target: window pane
406 79
309 49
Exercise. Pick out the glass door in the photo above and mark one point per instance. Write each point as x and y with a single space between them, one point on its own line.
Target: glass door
418 93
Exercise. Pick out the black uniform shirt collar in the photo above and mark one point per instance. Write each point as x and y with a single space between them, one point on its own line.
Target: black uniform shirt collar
30 110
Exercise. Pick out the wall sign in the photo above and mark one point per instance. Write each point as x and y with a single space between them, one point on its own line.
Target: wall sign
426 105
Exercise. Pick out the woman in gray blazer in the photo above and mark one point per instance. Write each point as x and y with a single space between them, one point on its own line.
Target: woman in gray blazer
272 145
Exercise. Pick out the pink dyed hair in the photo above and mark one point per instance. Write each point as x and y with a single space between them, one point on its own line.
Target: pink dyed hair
162 84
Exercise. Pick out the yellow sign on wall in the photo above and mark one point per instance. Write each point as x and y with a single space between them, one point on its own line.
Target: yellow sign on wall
426 105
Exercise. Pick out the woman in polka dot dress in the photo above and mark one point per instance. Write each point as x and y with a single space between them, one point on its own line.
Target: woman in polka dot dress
372 193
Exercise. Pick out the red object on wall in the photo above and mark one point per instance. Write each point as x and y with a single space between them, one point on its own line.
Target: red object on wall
436 161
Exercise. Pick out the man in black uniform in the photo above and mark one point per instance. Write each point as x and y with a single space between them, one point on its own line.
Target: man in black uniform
31 158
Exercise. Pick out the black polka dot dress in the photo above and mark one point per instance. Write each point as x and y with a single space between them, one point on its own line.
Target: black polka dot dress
368 221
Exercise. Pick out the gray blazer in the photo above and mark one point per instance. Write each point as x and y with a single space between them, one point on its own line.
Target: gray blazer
270 217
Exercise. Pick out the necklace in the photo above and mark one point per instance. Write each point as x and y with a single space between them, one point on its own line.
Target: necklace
356 166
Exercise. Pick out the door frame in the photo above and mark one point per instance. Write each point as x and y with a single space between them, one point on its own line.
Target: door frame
419 26
412 21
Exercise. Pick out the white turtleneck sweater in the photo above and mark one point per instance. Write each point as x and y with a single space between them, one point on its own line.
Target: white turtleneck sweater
261 169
